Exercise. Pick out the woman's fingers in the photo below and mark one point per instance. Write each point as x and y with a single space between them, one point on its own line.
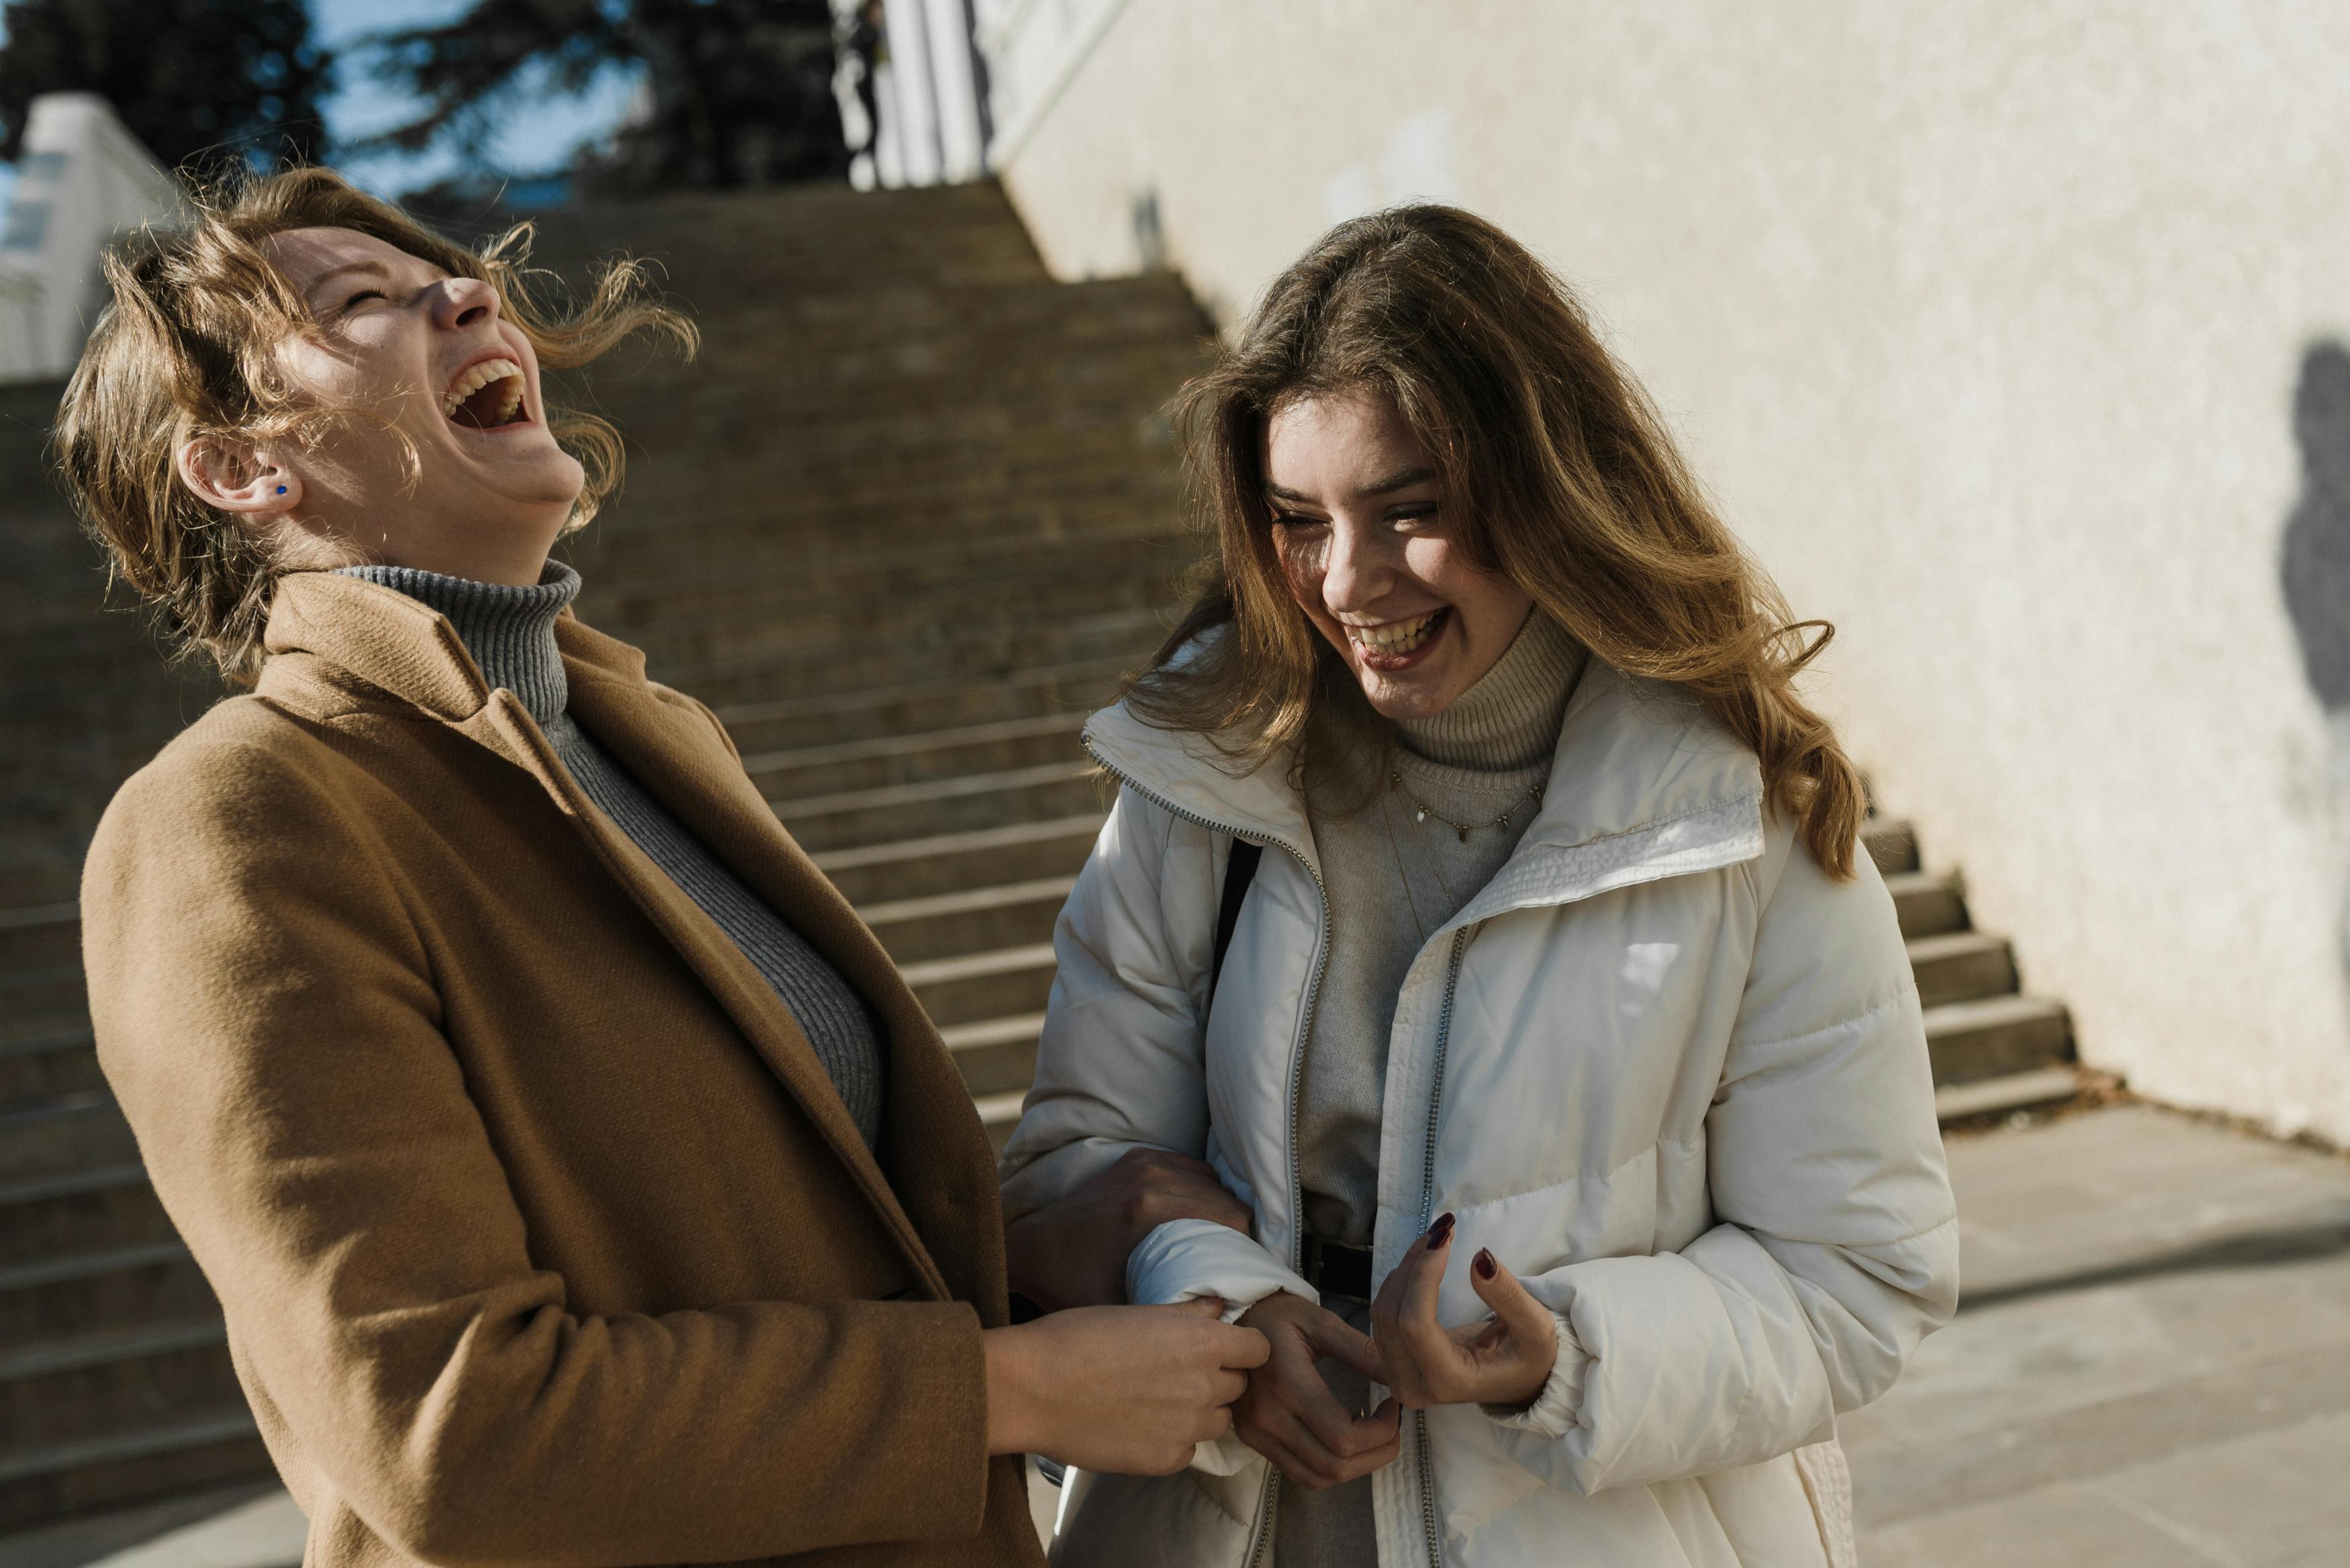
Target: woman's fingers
1336 1431
1403 1345
1419 1289
1334 1339
1527 1319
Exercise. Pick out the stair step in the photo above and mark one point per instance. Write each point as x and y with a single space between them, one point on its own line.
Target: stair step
1891 843
1960 966
44 1482
1927 903
48 1066
64 1133
140 1285
98 1383
98 1207
999 1114
943 925
899 870
2006 1094
971 651
1038 794
831 718
976 986
996 1055
907 625
44 936
689 580
36 1003
883 762
1996 1036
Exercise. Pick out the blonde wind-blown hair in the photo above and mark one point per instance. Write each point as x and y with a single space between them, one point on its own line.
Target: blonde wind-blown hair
1555 471
189 348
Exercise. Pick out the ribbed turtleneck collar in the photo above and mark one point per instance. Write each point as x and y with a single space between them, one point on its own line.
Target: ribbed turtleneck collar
509 632
1510 718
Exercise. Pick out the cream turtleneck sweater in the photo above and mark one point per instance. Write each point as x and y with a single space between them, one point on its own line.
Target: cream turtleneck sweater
1393 878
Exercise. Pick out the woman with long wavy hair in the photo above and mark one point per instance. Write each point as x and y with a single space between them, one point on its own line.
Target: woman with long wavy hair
580 1182
1482 903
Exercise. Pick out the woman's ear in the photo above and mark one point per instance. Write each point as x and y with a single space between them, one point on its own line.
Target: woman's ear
236 476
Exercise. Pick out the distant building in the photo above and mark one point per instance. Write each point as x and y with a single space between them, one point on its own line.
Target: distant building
83 180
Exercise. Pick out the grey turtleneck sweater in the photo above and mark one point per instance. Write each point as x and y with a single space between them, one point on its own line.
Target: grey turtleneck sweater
1393 878
510 632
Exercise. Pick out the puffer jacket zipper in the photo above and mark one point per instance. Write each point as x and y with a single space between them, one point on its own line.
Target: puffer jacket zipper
1427 1465
1262 1544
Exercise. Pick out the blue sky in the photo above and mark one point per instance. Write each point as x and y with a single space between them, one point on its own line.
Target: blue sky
538 130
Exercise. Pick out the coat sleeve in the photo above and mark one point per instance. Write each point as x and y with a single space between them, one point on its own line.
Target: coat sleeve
268 1016
1835 1247
1122 1061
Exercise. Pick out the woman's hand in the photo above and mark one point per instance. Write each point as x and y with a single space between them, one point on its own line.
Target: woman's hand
1289 1414
1073 1253
1503 1360
1124 1390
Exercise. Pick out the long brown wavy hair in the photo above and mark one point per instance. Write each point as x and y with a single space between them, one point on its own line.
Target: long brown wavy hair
1555 471
188 349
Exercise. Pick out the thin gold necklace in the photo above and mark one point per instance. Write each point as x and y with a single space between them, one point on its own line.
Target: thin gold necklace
1464 828
1387 820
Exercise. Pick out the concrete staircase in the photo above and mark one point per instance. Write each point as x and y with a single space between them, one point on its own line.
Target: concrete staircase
903 523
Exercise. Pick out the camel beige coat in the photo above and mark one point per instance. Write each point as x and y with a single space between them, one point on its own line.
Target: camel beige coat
542 1234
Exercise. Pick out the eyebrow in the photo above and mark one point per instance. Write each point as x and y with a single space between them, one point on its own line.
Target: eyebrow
1403 479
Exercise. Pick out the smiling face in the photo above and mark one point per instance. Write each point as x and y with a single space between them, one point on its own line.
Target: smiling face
1360 528
403 344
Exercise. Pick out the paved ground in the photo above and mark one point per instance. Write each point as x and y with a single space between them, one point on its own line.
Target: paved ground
2152 1369
2152 1366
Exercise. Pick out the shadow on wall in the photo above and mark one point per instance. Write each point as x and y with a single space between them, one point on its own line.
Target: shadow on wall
2318 535
2316 564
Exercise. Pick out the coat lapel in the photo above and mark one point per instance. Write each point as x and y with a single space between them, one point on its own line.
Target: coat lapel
677 754
945 1218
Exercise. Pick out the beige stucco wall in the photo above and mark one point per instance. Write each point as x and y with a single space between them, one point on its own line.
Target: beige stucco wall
1983 322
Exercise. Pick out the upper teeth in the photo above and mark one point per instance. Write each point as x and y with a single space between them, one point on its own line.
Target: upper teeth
475 379
1396 636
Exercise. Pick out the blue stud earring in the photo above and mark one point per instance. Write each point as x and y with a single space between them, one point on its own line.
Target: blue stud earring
281 490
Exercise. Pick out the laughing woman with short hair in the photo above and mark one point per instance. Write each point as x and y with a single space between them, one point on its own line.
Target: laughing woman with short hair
580 1182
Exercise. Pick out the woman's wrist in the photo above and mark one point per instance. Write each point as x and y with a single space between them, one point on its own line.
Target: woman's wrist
1012 1427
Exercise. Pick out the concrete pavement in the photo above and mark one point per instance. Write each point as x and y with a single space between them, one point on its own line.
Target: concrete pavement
2151 1367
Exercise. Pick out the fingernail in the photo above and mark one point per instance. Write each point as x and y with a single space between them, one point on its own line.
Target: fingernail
1485 1264
1439 1232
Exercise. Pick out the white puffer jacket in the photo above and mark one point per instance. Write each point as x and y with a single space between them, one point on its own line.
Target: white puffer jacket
1671 1073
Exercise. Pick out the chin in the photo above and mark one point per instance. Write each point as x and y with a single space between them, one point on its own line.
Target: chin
1400 700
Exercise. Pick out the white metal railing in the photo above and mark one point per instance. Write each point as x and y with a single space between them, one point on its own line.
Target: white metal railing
929 91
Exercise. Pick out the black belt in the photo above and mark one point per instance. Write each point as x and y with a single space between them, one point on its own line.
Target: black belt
1339 1271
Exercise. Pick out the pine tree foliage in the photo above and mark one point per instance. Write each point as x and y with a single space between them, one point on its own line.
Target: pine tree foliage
198 81
738 92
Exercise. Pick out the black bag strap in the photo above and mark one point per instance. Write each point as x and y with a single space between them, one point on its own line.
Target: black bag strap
1240 870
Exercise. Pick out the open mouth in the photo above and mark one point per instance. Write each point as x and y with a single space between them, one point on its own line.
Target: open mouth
487 396
1398 640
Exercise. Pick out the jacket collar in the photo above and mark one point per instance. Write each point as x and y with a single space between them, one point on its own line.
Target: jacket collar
1643 783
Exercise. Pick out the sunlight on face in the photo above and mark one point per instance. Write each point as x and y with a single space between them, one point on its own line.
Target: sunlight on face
430 356
1359 525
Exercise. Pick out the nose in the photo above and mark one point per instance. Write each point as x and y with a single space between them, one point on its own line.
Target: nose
465 302
1357 571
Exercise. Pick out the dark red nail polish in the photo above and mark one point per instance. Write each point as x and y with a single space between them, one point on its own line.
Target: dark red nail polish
1439 1232
1485 1264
